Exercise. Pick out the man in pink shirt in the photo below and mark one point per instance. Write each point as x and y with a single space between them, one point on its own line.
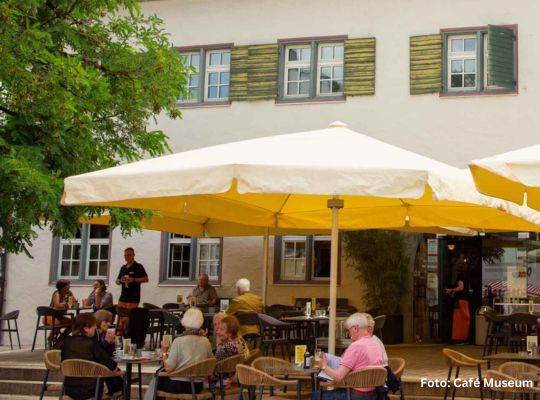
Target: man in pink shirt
363 352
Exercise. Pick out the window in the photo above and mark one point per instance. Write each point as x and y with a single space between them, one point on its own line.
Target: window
185 258
479 60
210 80
301 259
84 257
311 70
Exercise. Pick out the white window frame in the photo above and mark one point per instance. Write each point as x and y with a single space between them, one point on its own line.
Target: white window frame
295 239
71 243
334 62
220 68
178 241
464 55
97 242
316 238
299 64
208 242
189 56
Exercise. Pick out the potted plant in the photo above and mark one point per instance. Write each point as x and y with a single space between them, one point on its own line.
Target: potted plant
381 259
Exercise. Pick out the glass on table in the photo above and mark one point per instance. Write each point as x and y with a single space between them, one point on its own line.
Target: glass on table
318 355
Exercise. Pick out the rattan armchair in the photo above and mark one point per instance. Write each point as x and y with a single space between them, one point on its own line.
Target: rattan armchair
225 367
253 379
459 360
77 368
370 377
397 365
503 383
52 361
198 370
516 369
253 355
282 369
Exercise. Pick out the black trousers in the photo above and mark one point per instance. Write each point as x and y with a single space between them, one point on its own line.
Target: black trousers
87 389
173 386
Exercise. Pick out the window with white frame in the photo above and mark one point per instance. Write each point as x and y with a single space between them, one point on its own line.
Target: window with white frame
210 80
185 258
301 259
84 257
462 62
307 76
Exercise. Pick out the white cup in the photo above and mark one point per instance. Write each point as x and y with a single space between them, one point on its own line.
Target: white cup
119 353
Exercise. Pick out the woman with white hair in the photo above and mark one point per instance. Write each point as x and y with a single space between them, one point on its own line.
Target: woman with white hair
186 349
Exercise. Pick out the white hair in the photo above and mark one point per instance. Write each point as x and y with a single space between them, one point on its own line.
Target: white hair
357 319
243 285
192 319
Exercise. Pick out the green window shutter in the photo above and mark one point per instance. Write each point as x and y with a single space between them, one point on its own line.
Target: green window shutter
425 64
500 65
359 71
239 73
262 72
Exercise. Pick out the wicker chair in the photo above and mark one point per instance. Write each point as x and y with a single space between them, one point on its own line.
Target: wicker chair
52 363
459 360
253 355
516 369
199 370
251 379
76 368
363 378
225 367
379 325
512 389
397 365
281 369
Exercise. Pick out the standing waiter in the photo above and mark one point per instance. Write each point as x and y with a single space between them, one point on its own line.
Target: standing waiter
131 275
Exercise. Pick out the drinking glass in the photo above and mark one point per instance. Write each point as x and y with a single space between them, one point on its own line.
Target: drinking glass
318 354
118 343
167 339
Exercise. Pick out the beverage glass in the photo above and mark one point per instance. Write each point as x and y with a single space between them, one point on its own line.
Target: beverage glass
318 354
167 339
179 298
118 343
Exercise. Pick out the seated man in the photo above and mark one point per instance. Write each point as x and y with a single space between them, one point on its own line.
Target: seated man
363 352
204 292
245 302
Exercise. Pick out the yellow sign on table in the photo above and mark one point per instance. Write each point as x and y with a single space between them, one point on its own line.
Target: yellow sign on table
299 351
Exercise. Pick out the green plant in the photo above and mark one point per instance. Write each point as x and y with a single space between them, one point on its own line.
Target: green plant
382 263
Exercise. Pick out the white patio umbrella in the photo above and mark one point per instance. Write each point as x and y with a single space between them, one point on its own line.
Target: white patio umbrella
513 176
291 181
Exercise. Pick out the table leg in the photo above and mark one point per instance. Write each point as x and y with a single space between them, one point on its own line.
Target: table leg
140 382
127 382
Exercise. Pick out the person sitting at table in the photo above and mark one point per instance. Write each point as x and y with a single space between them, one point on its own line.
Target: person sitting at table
371 328
216 320
82 346
363 352
245 302
59 301
99 298
204 292
103 336
186 349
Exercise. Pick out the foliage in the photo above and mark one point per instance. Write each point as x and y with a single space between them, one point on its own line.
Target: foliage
382 264
80 80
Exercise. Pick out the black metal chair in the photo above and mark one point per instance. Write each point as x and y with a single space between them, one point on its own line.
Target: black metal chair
174 306
275 332
11 316
138 323
171 322
521 325
44 313
156 327
379 325
151 306
249 318
495 332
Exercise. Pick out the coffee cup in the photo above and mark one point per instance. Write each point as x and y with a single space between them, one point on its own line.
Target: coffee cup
119 353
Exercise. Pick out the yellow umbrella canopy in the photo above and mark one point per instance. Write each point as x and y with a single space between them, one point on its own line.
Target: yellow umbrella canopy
513 176
292 181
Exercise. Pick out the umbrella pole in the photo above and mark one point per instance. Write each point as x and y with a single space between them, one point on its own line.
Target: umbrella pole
335 204
265 264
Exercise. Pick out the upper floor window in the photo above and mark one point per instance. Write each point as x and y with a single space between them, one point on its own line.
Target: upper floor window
84 257
302 259
210 78
479 60
185 258
313 69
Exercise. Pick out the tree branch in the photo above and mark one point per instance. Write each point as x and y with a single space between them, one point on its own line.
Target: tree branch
8 111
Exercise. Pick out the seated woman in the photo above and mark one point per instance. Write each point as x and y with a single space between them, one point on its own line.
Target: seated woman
59 301
82 346
229 343
186 349
103 336
99 298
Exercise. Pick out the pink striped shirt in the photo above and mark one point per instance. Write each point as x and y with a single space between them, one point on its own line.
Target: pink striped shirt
362 353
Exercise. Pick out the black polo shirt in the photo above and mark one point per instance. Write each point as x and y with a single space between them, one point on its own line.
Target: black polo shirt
132 293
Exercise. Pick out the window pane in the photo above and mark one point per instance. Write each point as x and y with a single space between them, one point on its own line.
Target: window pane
470 66
300 270
94 252
66 251
470 44
104 252
327 53
213 92
325 87
304 88
213 78
456 81
292 74
337 86
225 58
338 52
338 73
64 270
293 54
457 66
288 267
75 268
215 58
194 80
300 250
304 74
102 268
326 72
470 80
292 88
457 45
321 259
92 268
224 78
224 91
99 232
306 54
195 60
76 255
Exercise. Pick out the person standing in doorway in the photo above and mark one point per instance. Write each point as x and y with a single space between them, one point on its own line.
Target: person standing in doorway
130 277
461 318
